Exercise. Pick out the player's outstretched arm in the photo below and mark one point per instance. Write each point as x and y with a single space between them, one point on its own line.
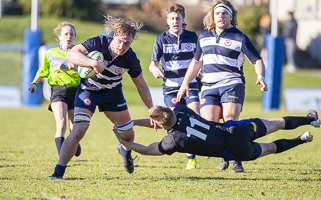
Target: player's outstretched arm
146 123
192 71
142 122
260 71
143 90
152 149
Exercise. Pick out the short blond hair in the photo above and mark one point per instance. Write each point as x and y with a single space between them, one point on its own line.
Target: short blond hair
208 20
123 25
57 29
163 115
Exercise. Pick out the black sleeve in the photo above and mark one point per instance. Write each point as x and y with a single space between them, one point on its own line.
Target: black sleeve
167 145
135 69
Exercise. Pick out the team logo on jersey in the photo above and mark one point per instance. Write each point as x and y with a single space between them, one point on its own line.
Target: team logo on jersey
87 102
118 70
228 42
188 46
174 100
203 100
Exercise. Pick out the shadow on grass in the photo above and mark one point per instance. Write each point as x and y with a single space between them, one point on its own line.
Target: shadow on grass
11 152
80 160
91 179
288 163
14 166
192 178
249 179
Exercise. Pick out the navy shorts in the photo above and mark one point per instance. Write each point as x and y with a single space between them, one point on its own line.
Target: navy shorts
64 94
171 98
240 137
232 93
106 101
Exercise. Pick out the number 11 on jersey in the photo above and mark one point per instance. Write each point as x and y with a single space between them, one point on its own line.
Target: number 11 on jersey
191 131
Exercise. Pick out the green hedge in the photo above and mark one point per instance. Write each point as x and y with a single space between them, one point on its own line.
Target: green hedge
248 21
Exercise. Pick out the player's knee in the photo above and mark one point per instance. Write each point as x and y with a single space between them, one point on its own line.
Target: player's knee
82 117
79 129
126 130
231 116
125 127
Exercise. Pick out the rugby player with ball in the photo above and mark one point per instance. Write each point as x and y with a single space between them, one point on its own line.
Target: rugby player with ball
105 89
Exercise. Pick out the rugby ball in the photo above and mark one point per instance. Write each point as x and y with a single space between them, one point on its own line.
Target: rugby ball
88 72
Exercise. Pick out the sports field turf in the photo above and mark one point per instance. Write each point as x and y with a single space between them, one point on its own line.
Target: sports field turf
28 154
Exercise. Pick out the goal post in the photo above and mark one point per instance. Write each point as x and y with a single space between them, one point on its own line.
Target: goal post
30 59
30 63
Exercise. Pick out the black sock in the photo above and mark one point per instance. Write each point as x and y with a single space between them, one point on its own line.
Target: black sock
59 169
59 142
286 144
190 156
295 122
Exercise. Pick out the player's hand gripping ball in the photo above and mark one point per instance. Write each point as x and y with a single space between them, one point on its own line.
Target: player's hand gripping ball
88 72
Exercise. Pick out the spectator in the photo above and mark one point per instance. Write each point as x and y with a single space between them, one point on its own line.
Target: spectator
265 28
289 33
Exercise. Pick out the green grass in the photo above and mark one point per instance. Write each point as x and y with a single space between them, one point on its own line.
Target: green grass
28 155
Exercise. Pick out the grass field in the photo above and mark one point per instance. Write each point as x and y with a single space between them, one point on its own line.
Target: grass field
28 154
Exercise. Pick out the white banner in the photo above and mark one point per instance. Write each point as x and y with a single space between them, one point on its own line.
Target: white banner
302 99
10 96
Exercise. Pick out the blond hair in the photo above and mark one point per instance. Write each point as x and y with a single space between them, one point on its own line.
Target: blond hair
208 20
177 8
162 115
123 25
57 30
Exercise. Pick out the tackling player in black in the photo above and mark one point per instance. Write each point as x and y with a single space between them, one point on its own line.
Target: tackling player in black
233 140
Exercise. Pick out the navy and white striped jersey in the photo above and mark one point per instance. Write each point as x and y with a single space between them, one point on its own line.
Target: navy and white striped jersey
223 57
175 54
110 78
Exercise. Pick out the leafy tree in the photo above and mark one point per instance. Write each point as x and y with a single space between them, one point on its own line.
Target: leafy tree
76 9
248 21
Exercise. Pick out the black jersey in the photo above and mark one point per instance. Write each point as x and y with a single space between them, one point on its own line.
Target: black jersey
195 135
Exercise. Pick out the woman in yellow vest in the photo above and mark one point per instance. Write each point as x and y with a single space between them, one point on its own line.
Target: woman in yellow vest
63 78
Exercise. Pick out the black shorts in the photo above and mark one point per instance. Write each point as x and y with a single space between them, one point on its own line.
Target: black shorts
63 94
240 136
